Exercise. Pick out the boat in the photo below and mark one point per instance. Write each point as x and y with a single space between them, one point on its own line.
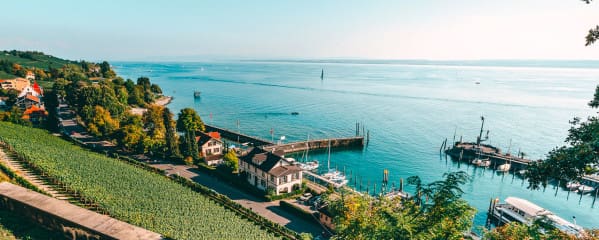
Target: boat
294 113
504 167
520 210
196 94
584 189
322 74
477 161
485 163
573 186
522 172
334 175
309 166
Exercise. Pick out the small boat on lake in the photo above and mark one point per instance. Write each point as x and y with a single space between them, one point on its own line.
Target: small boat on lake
196 94
572 186
504 167
522 211
485 163
584 189
309 166
294 113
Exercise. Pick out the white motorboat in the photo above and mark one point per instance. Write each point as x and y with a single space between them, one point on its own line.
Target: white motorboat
572 186
504 167
476 161
584 189
520 210
310 166
485 163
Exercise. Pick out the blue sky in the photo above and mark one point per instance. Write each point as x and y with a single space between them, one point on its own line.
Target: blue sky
177 29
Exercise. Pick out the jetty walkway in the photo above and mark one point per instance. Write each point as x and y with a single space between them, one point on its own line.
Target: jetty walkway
344 142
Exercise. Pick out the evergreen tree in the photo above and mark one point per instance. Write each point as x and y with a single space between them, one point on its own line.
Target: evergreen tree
172 139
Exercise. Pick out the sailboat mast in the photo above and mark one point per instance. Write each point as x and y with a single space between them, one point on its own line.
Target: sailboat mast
321 74
329 158
307 147
480 135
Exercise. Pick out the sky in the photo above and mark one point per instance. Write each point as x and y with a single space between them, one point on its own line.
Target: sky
307 29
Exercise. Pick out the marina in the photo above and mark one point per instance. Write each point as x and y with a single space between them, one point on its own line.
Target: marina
406 117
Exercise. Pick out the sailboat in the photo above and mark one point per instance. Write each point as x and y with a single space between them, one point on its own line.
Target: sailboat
309 165
333 174
322 74
506 166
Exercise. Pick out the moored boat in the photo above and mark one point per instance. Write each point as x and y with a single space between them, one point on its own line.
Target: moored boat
504 167
520 210
584 189
572 186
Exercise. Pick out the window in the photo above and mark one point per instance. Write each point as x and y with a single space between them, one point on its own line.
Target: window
216 150
285 179
263 174
208 151
296 176
262 182
272 178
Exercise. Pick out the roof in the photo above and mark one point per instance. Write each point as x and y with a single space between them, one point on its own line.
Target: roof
93 221
33 109
37 88
203 138
284 170
526 206
267 162
33 98
215 135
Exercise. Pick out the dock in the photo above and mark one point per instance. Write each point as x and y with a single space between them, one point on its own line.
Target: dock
316 176
350 142
230 134
343 142
469 151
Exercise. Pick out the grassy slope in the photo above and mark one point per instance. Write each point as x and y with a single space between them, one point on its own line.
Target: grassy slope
131 194
42 61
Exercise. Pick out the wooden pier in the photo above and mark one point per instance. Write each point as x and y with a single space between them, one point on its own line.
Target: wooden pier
350 142
229 134
470 151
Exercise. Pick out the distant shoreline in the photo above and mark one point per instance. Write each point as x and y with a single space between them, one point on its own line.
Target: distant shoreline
162 101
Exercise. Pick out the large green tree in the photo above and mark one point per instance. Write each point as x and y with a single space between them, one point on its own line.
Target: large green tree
188 121
436 212
171 138
580 156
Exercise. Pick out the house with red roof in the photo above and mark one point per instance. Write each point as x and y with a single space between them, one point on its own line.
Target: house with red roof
35 114
30 96
210 147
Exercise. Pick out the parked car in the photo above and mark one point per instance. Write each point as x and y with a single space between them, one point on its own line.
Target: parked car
305 197
312 200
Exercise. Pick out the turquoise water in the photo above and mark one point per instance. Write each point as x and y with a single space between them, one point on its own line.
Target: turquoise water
409 107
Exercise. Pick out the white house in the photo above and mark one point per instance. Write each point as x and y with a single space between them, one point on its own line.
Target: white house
266 170
210 147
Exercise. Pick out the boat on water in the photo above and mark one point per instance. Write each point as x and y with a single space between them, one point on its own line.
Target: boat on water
573 186
584 189
196 94
485 163
322 74
294 113
334 175
504 167
309 166
520 210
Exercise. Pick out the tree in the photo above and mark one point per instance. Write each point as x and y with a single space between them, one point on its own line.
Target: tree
102 124
188 119
231 160
156 130
131 134
436 212
593 34
581 154
539 230
189 122
172 139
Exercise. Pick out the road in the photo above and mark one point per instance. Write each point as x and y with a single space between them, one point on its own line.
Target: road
270 210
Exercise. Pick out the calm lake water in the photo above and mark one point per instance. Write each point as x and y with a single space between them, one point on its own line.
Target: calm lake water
409 107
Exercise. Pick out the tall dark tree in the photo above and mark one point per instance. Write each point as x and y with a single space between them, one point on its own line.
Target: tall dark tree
189 121
172 139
